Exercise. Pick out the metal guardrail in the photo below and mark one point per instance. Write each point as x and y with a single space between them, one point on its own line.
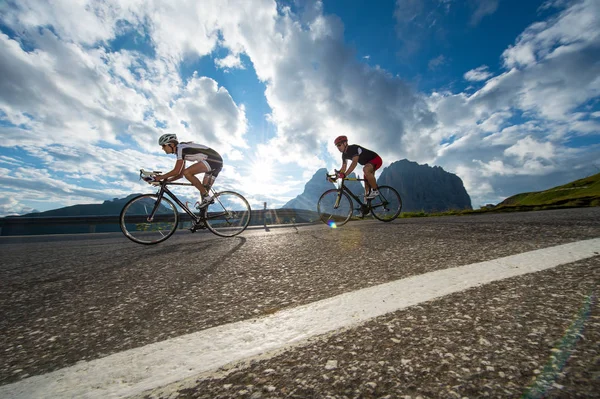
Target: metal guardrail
19 225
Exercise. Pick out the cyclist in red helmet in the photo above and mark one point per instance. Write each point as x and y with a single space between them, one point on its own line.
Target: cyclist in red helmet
359 154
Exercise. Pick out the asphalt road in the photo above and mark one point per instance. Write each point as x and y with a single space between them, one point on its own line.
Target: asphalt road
64 299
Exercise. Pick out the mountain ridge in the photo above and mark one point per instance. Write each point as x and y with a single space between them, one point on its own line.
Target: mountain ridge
421 187
580 192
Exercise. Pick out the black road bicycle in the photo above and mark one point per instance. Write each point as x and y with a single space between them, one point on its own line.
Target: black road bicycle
335 207
152 218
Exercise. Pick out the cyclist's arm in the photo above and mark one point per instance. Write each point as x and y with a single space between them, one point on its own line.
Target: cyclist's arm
343 168
175 174
352 166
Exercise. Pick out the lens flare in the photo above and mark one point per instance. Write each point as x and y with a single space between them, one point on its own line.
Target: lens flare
332 224
561 353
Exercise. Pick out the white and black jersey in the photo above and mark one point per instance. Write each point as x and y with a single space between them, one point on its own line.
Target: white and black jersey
200 153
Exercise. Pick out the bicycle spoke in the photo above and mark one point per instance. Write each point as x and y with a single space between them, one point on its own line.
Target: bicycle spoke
334 209
228 215
144 221
387 205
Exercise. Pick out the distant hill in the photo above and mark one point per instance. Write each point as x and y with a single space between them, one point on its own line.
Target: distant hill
578 193
108 207
422 188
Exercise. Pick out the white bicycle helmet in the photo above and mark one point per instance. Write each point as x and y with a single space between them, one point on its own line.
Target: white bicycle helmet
167 138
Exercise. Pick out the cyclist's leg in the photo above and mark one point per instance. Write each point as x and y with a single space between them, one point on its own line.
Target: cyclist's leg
370 169
210 177
191 172
208 180
370 182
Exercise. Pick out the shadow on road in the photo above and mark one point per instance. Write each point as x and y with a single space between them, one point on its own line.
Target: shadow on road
221 259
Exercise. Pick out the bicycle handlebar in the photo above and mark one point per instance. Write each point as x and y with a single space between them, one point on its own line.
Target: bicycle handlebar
333 177
148 176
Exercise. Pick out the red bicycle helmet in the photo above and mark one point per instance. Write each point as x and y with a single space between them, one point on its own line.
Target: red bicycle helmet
340 139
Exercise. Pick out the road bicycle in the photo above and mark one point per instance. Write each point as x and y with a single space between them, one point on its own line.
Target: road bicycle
153 218
335 207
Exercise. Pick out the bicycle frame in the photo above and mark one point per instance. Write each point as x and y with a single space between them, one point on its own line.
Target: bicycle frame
363 206
164 190
351 194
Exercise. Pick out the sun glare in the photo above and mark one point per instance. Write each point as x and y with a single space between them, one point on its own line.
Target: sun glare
261 171
260 176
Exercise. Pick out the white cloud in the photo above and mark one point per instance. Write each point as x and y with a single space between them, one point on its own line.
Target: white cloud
574 29
85 22
529 148
64 90
317 90
212 115
11 206
230 62
64 86
478 74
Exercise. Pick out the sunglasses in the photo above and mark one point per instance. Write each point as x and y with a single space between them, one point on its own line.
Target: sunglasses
339 145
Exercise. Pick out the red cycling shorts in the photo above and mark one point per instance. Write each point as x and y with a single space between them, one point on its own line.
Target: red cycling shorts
376 162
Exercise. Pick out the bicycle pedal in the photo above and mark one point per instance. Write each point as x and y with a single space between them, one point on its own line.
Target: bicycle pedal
197 226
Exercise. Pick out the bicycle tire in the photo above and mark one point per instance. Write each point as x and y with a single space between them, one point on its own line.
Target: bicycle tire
228 215
334 208
134 219
387 205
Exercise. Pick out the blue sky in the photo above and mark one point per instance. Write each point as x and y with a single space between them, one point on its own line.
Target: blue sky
503 93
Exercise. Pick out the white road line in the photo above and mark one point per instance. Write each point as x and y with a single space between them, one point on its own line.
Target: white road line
134 371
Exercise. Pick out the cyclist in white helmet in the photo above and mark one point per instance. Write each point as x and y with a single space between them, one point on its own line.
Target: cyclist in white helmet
207 161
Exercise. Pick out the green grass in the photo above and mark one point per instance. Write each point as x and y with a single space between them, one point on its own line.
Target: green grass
579 193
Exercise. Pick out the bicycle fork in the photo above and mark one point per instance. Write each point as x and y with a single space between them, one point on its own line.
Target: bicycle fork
159 198
337 201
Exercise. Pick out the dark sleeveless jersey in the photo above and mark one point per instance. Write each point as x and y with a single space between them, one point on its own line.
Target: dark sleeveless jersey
364 155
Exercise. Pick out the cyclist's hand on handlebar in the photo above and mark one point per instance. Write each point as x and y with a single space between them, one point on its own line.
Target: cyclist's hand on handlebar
341 175
151 180
150 177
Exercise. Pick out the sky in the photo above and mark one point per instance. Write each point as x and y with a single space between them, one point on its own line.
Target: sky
503 93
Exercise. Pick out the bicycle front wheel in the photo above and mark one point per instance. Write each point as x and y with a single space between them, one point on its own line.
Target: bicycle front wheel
146 221
334 208
387 205
228 215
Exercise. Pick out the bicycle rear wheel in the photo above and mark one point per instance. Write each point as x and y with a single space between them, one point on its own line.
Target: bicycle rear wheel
137 226
334 208
387 205
228 215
